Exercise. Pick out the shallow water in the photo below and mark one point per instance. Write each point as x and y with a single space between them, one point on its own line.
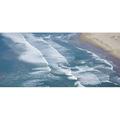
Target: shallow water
51 60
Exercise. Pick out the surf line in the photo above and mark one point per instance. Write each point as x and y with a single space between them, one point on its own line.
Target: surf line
25 51
56 61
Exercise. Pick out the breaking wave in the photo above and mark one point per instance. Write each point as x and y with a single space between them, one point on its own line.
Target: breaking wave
47 59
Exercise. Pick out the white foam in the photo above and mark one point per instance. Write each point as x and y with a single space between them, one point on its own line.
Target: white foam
59 37
33 83
72 77
37 72
78 84
57 46
81 69
97 57
53 57
63 50
49 52
89 79
26 51
47 37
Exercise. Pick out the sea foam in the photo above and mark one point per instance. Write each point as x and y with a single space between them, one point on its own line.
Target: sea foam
24 50
55 59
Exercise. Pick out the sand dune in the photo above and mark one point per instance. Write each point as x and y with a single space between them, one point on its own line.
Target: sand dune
108 41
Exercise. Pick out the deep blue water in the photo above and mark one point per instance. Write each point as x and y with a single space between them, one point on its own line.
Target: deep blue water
51 60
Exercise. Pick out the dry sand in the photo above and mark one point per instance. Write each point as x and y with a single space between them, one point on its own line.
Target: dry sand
108 41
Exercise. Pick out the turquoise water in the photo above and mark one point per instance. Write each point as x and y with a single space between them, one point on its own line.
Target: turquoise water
51 60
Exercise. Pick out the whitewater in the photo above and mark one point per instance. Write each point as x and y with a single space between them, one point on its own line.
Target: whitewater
51 60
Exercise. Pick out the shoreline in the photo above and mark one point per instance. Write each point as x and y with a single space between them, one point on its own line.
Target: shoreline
108 41
89 44
104 54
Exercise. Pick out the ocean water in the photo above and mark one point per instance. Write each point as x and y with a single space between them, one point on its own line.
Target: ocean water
51 60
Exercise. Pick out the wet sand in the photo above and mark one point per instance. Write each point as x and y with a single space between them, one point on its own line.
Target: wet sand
108 41
87 44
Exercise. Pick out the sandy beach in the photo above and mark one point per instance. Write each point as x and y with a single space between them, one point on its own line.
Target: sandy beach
107 41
